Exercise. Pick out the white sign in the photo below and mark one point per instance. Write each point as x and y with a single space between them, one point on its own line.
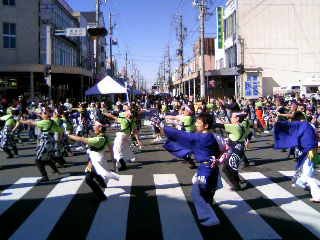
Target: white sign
76 32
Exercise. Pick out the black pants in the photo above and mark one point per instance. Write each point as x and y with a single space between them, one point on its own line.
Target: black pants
7 151
93 185
40 165
232 177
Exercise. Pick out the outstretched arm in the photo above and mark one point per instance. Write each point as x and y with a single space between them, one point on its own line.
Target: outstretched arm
28 122
110 116
79 139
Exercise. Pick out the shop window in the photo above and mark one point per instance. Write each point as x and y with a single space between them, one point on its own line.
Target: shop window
9 3
12 82
2 83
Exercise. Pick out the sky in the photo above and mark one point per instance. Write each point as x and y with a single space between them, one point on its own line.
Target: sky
146 27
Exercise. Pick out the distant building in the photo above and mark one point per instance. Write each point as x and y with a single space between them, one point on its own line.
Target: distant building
276 42
23 49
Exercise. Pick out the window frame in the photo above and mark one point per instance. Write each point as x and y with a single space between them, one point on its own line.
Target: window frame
9 35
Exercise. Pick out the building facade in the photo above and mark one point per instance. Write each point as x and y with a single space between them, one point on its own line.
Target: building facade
24 51
276 42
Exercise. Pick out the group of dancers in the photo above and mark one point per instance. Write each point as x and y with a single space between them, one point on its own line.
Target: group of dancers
194 134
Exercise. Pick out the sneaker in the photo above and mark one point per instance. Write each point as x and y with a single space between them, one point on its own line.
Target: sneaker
132 160
314 200
79 148
266 131
115 176
156 140
31 140
43 179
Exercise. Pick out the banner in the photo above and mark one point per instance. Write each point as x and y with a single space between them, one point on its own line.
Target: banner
220 26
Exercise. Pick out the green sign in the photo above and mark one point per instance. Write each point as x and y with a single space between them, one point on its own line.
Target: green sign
220 27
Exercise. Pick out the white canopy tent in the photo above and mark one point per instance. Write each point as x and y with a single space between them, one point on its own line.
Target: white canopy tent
106 86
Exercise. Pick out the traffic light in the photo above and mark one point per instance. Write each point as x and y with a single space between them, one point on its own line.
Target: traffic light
48 70
240 69
98 31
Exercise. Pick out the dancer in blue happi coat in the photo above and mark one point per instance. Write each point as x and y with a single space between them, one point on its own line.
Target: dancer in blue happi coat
205 146
301 135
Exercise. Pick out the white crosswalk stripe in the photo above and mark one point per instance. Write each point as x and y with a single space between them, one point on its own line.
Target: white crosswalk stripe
236 209
41 222
296 208
290 174
11 195
175 213
112 214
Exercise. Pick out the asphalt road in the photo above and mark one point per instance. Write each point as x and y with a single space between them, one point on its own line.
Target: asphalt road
152 199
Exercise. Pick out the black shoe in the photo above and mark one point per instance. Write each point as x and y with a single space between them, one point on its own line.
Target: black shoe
102 185
235 189
8 157
43 179
54 172
65 154
123 165
192 166
184 162
59 165
122 168
102 198
245 165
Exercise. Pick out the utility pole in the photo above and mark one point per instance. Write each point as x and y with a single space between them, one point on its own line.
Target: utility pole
202 10
181 56
138 79
126 64
48 60
110 41
202 15
132 70
169 69
96 72
164 72
181 34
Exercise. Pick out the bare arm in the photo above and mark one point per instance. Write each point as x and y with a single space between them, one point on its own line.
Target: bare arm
28 122
172 117
79 139
288 115
110 116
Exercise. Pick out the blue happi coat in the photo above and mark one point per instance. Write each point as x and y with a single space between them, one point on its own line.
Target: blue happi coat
295 134
203 146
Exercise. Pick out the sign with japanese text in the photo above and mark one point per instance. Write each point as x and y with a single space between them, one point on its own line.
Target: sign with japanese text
220 26
76 32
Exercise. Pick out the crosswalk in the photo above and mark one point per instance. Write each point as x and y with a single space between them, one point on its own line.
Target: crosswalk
111 216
